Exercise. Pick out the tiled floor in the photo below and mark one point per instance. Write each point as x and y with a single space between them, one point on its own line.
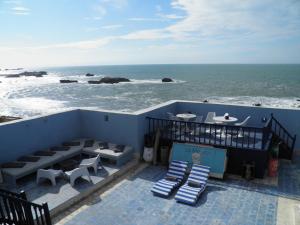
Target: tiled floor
133 203
230 201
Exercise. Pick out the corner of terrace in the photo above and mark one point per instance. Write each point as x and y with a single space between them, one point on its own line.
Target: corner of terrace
88 167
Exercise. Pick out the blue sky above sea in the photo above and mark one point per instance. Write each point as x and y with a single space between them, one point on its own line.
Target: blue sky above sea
95 32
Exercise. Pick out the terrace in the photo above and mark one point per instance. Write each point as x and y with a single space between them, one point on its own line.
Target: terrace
24 137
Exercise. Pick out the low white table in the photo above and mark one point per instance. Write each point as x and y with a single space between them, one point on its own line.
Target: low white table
186 116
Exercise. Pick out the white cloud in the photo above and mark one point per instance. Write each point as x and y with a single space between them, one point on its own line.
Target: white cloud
90 44
158 8
171 16
211 18
15 2
112 26
19 10
116 3
100 10
140 19
151 34
93 18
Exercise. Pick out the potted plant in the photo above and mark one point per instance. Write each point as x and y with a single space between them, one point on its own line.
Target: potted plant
148 149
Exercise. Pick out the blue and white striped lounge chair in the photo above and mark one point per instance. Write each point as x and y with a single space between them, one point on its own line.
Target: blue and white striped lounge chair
194 186
173 179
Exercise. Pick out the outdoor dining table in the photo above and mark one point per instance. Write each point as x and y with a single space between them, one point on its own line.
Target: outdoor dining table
223 120
186 116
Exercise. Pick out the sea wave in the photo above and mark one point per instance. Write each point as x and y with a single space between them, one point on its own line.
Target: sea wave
30 96
252 100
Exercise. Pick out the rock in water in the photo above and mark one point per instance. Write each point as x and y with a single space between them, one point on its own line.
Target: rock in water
90 75
166 79
113 80
34 73
28 74
12 75
94 81
68 81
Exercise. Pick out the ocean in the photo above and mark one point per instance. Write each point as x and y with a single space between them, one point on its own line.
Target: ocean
269 85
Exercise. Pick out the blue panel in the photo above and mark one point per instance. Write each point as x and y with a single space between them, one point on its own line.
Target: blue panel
215 158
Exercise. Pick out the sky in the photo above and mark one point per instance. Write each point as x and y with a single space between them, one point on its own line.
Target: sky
37 33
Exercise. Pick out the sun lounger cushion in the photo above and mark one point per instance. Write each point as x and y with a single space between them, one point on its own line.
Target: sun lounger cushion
194 186
88 143
13 165
103 145
164 187
44 153
71 143
170 178
119 148
28 159
60 148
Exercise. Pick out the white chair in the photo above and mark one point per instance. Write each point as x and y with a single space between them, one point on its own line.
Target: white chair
198 119
170 115
48 174
76 173
244 123
241 124
210 117
91 162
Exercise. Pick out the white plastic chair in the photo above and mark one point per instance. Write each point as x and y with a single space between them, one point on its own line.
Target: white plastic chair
48 174
76 173
244 123
210 117
91 162
198 119
170 115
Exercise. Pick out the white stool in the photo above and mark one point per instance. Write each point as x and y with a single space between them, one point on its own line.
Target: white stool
78 172
48 174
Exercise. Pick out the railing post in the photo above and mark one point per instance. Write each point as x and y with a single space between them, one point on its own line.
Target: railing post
47 213
294 140
23 195
28 213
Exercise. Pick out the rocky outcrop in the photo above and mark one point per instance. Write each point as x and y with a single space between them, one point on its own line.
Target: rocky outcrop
257 104
166 79
94 81
33 74
68 81
28 74
8 118
89 75
109 80
12 75
113 80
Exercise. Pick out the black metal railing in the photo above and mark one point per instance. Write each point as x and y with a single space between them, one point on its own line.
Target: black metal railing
212 134
15 209
20 195
281 132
